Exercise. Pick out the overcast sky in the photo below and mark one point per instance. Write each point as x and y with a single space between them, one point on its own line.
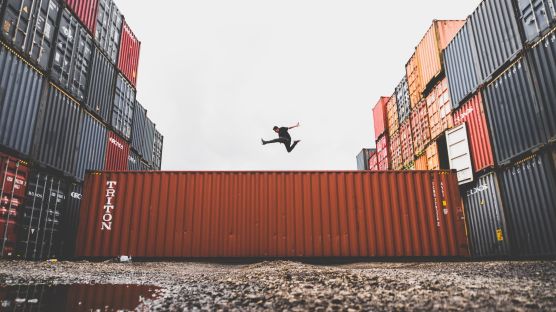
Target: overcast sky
216 75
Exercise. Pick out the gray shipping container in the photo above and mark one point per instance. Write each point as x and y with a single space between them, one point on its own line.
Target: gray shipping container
513 113
461 65
402 100
157 150
363 159
29 27
542 58
134 162
496 33
101 87
70 221
529 195
72 56
124 104
92 146
109 28
57 132
536 17
142 137
488 233
39 223
20 90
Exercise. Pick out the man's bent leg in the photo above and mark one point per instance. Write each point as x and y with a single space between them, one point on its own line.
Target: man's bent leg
279 140
290 148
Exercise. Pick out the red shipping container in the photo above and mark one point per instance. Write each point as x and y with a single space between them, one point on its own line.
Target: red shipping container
86 11
382 151
406 141
396 152
420 128
117 152
130 46
440 109
380 117
373 161
392 115
246 214
473 113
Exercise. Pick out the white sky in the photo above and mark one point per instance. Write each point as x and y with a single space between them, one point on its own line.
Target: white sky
216 75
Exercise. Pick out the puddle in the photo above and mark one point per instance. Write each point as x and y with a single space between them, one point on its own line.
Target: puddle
78 297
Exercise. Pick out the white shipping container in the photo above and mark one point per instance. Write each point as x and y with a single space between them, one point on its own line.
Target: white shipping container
459 153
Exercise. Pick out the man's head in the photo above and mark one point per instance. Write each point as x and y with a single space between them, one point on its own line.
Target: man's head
276 129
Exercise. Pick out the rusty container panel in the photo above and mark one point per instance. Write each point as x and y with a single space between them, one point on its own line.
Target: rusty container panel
406 140
396 152
382 151
392 115
272 214
420 128
440 109
414 82
421 163
473 114
380 117
117 153
373 161
433 159
430 48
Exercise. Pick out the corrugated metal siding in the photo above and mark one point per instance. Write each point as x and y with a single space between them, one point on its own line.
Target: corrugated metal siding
440 109
20 90
382 151
72 57
247 214
29 28
86 10
421 163
380 116
373 162
149 141
128 62
102 85
39 230
402 100
536 17
124 104
406 141
70 220
420 127
488 234
542 58
142 138
92 146
109 28
363 159
473 114
414 81
459 153
58 130
392 115
461 65
530 201
157 150
447 30
513 114
117 152
496 34
433 159
134 162
396 152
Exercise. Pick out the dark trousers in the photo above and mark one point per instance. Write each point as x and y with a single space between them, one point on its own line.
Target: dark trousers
286 142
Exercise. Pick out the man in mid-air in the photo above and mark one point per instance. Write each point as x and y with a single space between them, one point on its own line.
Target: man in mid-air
283 137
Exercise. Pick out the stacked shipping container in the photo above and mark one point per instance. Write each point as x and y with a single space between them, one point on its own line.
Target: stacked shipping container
68 82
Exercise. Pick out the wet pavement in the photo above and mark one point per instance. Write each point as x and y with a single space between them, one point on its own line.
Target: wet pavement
284 285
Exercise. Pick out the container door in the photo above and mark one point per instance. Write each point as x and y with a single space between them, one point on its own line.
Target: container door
459 153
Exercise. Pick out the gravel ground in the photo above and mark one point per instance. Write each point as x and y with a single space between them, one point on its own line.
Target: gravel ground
283 285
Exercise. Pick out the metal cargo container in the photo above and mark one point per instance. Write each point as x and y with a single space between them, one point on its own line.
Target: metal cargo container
29 28
440 109
373 161
124 104
86 10
109 28
496 33
363 159
459 153
72 57
414 81
406 140
101 87
20 91
117 152
92 146
142 136
247 214
157 150
380 117
13 174
57 132
70 220
421 162
530 202
488 235
433 161
392 115
437 155
473 114
542 58
39 224
536 17
382 151
396 152
128 62
402 100
430 48
420 127
513 114
134 161
461 65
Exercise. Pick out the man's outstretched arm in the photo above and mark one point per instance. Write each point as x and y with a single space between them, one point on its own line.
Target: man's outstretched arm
297 125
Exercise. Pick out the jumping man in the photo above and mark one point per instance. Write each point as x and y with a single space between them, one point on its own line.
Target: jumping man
283 137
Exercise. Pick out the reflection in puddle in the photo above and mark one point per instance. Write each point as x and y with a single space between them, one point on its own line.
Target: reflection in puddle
78 297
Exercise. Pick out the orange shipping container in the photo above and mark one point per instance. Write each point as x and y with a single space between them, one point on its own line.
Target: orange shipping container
413 73
439 106
421 163
272 214
396 152
430 48
420 128
392 115
382 151
406 141
433 158
380 119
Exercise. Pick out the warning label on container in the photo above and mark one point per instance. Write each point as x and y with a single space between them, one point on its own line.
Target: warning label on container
499 235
